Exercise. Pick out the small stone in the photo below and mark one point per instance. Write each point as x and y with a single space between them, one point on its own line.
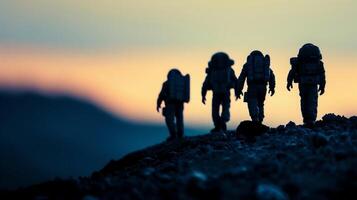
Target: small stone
327 151
333 118
281 155
354 135
270 192
173 153
280 128
227 158
168 167
272 131
290 124
197 187
344 136
199 176
220 136
164 177
353 119
319 140
108 181
329 117
148 159
89 197
45 198
296 131
239 170
342 155
148 171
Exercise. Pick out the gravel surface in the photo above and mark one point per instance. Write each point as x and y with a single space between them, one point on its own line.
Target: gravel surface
255 162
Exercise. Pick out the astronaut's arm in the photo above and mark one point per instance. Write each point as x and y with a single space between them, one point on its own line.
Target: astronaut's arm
205 87
293 70
233 76
272 80
241 80
162 95
322 77
291 75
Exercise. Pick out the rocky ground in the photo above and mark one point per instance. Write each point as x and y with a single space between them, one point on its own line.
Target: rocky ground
287 162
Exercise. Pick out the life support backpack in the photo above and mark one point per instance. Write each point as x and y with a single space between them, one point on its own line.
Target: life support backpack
178 86
310 73
258 67
219 72
308 65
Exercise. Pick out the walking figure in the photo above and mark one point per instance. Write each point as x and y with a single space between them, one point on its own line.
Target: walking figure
220 79
258 74
175 92
307 69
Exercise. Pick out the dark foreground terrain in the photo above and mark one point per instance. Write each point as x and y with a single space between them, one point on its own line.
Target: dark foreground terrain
287 162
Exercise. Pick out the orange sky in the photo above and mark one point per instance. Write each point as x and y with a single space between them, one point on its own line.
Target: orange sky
127 83
117 53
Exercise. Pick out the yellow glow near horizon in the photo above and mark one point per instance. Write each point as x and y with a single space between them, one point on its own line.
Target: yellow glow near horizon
117 53
128 83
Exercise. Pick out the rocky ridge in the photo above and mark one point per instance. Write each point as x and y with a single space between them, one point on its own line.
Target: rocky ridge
287 162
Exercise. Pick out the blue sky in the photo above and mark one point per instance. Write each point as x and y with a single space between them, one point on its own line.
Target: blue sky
108 24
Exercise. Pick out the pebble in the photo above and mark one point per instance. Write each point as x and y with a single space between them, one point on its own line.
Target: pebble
319 140
197 175
290 124
148 171
270 192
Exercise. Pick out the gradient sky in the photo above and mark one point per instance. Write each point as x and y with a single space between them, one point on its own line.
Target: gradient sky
117 53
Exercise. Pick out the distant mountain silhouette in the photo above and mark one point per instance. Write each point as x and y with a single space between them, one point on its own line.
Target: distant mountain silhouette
42 137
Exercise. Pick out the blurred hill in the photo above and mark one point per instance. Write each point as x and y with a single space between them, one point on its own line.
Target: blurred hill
42 137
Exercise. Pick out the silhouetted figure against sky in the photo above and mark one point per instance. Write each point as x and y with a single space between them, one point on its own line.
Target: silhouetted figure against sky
258 74
175 91
220 79
308 71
